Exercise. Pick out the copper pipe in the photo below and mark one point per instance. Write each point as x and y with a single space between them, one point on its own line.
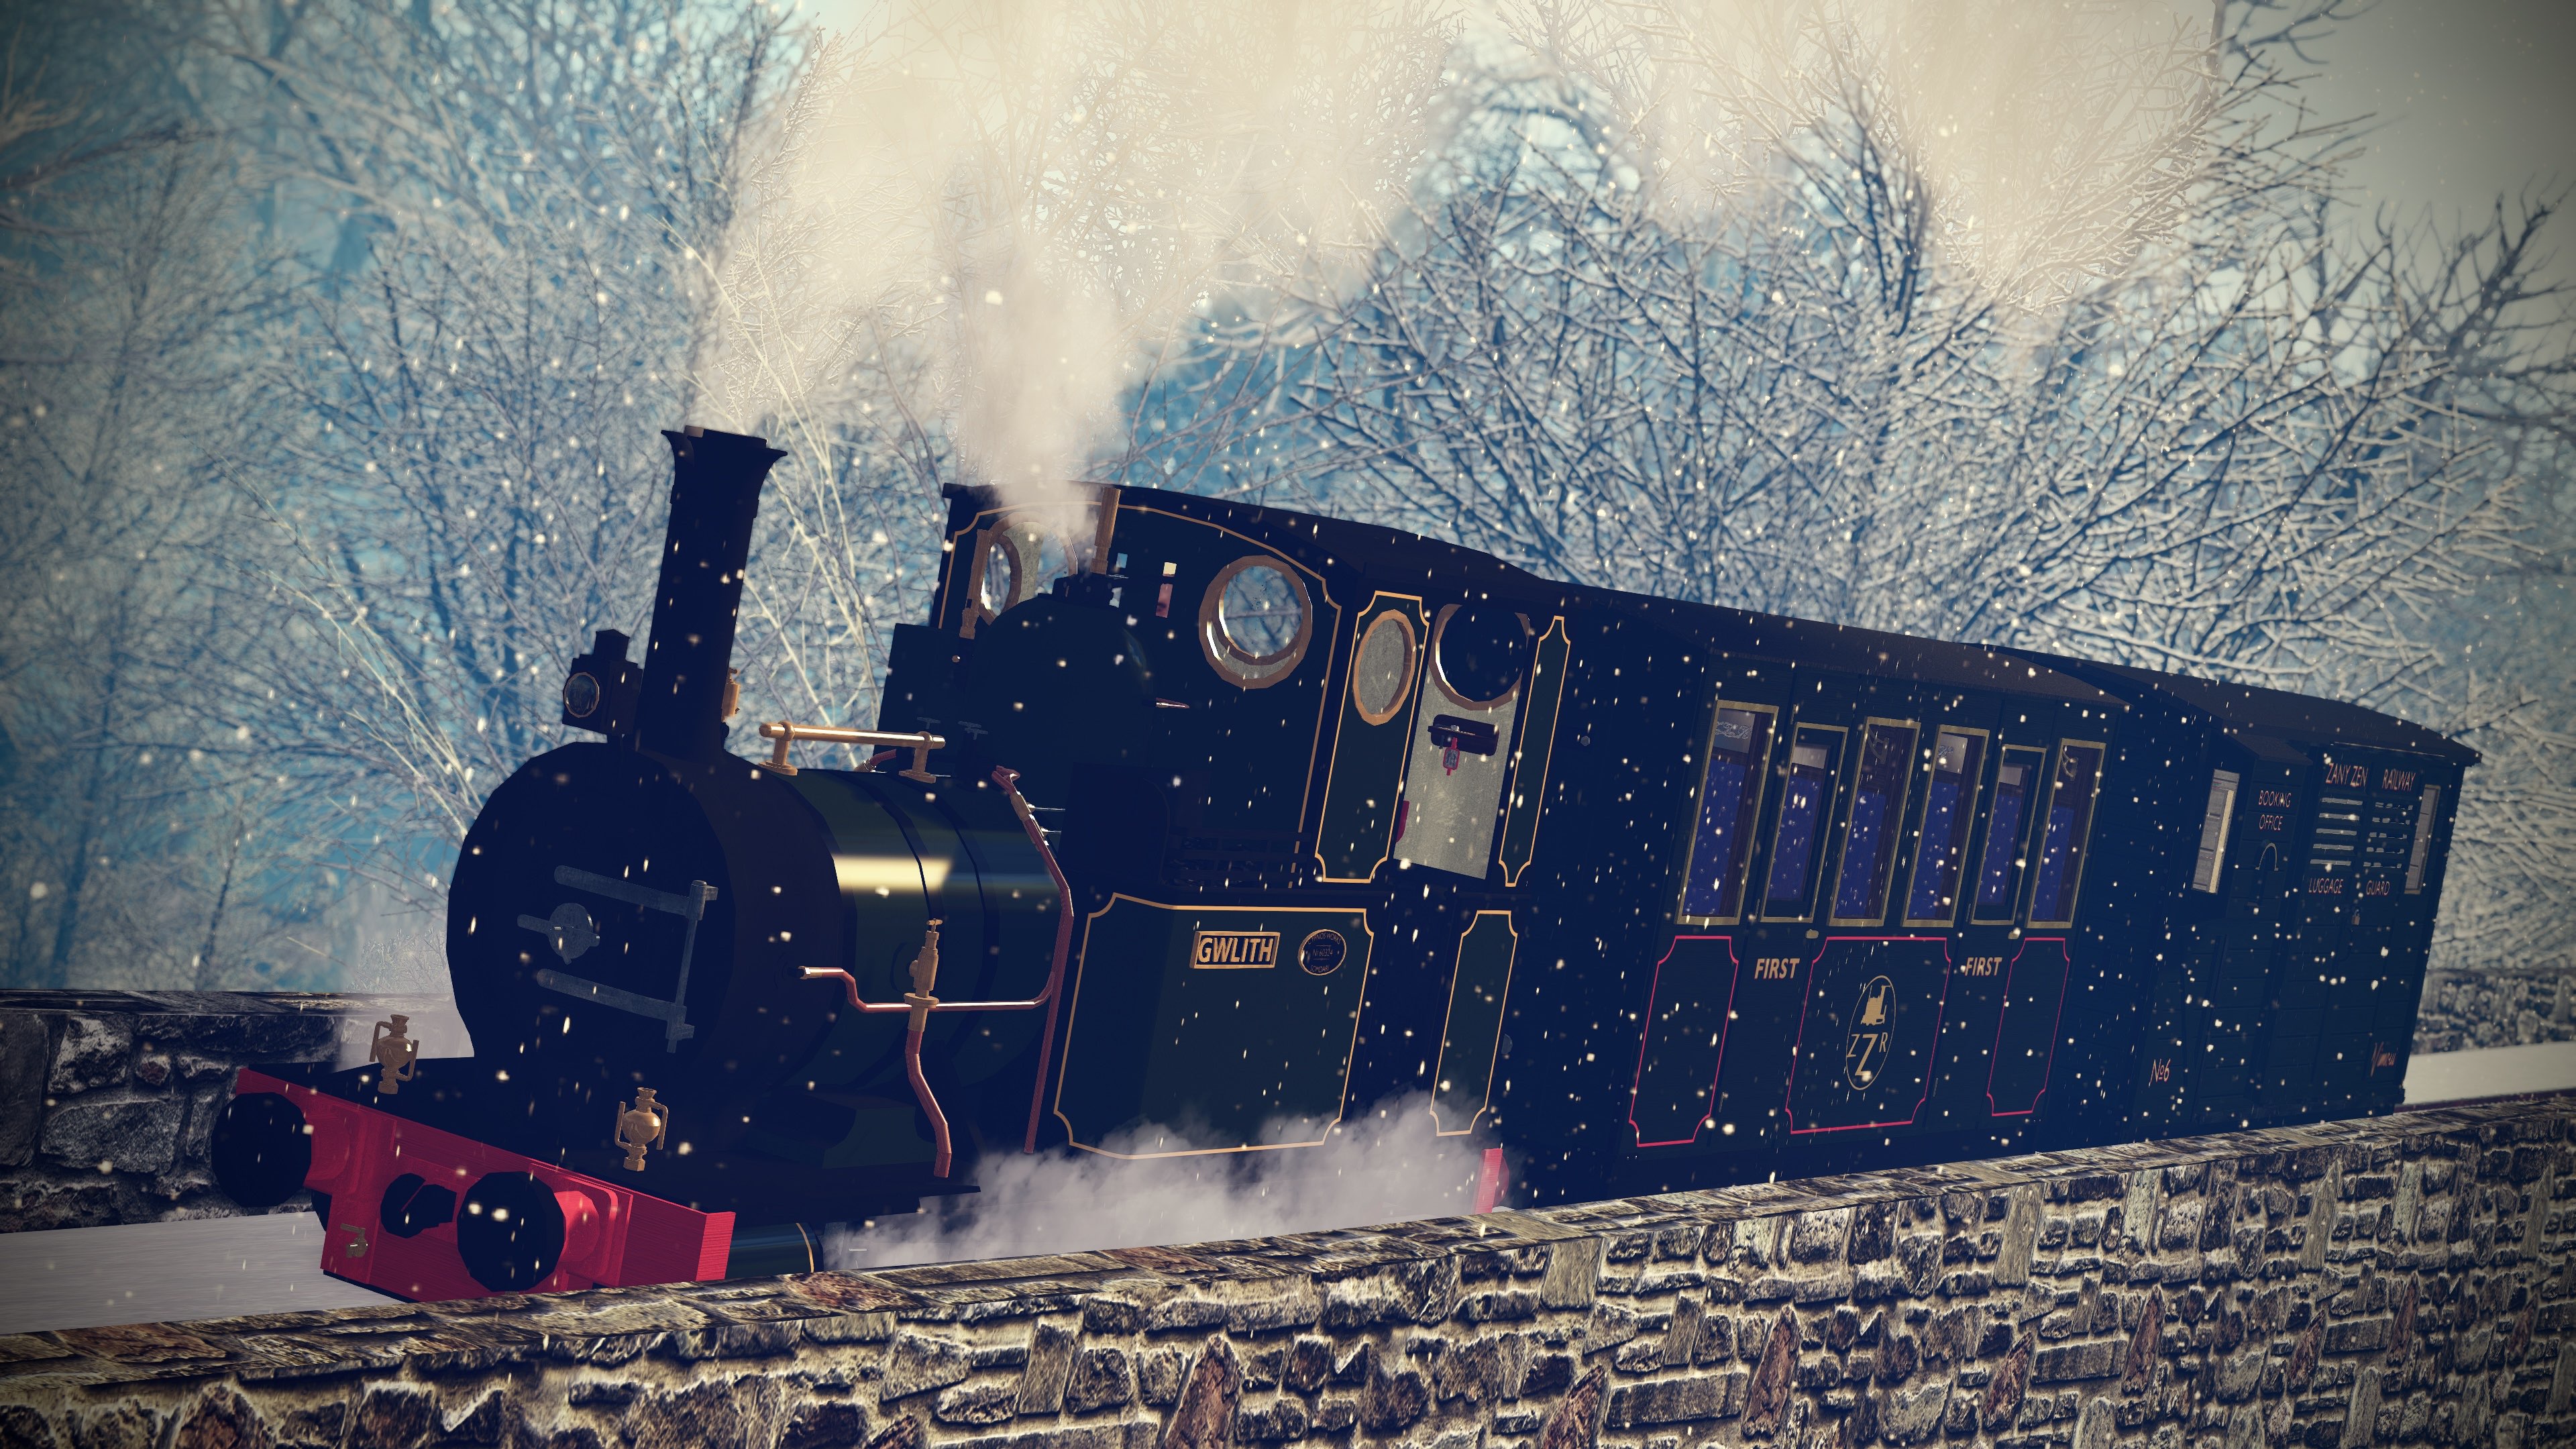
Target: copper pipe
1009 780
939 1158
786 733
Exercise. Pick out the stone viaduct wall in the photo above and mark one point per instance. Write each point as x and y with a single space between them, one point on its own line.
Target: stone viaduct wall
107 1097
2397 1281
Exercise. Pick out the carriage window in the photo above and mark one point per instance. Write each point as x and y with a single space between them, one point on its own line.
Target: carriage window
1877 816
1957 756
2205 873
2415 858
2007 834
1254 621
2061 842
1806 798
1730 797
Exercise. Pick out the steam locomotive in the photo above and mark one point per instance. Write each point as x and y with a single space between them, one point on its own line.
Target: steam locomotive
1229 821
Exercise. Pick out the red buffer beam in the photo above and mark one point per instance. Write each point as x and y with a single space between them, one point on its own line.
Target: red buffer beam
424 1214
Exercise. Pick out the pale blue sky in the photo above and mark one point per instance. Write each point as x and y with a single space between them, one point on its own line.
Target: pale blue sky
2476 97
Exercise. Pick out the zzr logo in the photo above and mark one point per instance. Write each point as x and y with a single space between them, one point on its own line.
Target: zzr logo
1865 1050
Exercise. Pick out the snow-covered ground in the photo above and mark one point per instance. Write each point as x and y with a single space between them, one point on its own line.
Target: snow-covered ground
168 1272
2548 1066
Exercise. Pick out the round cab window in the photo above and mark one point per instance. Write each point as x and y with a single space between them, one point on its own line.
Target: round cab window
1021 561
1478 653
1254 621
999 588
1382 672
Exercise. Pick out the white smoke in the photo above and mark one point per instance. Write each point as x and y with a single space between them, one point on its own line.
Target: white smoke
996 218
1017 205
2040 145
1383 1166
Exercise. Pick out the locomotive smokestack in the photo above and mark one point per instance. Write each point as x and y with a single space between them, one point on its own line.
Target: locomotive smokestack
715 494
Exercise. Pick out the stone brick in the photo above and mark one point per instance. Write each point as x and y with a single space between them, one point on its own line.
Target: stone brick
917 1363
1129 1434
1104 1314
1043 1375
1679 1241
1873 1232
1573 1274
2239 1374
1477 1371
2020 1239
194 1069
1716 1339
1185 1314
975 1404
1918 1257
1818 1237
1912 1416
1612 1325
1498 1306
23 1063
2098 1426
1549 1373
1689 1400
1310 1362
2075 1362
1575 1422
1101 1378
1158 1376
825 1424
2356 1335
704 1413
1641 1357
135 1136
2094 1186
1361 1304
2361 1414
1393 1399
92 1053
1271 1422
1766 1398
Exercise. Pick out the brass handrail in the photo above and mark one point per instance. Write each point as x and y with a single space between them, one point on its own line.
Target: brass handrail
786 733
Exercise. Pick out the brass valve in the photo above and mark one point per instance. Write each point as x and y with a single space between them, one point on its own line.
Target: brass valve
397 1056
641 1124
925 977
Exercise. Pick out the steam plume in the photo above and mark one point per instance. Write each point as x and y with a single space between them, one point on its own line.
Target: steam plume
1002 213
1031 198
1384 1166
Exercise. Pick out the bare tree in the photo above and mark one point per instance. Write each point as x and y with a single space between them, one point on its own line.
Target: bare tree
130 289
465 473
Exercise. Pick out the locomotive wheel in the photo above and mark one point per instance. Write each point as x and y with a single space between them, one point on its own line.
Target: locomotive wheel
511 1234
262 1148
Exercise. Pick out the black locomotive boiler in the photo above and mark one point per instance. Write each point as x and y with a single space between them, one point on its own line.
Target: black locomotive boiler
1230 821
